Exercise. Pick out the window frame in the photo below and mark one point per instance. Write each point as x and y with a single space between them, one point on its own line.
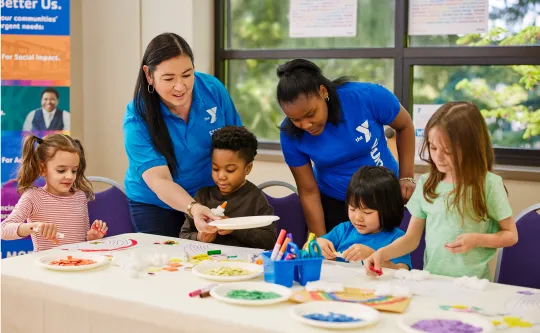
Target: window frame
405 58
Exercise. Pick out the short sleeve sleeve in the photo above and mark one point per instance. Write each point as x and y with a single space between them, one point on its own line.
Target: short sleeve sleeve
140 151
336 235
415 202
497 199
385 104
293 156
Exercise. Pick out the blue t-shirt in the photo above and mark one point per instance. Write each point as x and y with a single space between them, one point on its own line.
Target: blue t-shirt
344 235
357 140
211 109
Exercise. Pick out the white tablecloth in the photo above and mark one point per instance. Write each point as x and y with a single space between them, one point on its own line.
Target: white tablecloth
37 300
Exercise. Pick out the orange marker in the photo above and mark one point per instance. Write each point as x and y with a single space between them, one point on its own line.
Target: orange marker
283 248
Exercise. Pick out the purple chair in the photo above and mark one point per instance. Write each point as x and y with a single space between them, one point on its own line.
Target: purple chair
519 265
290 212
111 206
417 256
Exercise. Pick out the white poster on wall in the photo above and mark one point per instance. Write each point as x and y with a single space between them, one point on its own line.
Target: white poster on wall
448 17
421 115
322 18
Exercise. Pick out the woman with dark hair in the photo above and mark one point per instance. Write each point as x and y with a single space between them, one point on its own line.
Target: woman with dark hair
338 126
168 135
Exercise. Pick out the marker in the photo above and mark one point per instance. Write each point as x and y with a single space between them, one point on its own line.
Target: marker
289 235
58 234
310 238
213 252
283 248
198 292
280 239
378 271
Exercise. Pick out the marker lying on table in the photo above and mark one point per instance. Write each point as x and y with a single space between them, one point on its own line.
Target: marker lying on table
279 242
58 234
198 292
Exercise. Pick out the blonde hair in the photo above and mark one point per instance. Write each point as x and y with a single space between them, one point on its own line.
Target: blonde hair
34 160
473 154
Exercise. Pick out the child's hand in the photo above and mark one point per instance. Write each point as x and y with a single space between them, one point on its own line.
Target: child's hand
357 252
46 230
329 252
464 243
98 230
375 260
224 232
207 237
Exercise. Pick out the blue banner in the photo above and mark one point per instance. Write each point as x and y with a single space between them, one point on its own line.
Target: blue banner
35 17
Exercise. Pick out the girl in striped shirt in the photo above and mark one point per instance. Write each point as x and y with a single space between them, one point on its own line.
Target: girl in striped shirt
61 206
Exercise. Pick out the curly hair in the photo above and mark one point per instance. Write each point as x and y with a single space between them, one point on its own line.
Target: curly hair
238 139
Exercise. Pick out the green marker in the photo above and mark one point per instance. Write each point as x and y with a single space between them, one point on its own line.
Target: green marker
212 252
231 257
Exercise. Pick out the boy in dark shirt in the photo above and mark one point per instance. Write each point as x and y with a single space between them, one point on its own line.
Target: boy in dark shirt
233 151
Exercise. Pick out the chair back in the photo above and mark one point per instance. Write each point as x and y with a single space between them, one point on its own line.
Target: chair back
290 212
111 206
519 265
417 256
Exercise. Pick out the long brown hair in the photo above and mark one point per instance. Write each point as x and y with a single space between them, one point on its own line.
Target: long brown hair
468 136
34 160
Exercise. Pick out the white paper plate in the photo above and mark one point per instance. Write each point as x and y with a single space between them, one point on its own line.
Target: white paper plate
368 316
201 269
408 321
246 222
220 292
46 259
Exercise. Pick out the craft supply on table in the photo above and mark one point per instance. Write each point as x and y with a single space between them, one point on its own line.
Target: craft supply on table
331 317
213 252
355 295
325 286
414 274
472 282
252 294
445 326
335 315
198 292
279 242
70 261
379 271
228 271
103 245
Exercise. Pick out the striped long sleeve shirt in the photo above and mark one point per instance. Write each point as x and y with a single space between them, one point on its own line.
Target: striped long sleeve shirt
70 214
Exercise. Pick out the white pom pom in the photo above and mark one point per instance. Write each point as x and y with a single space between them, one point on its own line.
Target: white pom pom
398 291
383 290
401 274
419 275
164 259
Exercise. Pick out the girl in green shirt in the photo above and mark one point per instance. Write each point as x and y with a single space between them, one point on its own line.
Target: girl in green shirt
461 204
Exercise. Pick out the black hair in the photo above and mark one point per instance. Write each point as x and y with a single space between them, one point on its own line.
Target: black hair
147 104
302 77
238 139
377 188
50 90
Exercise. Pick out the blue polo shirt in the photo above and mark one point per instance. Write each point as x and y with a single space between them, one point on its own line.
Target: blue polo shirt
211 109
357 140
345 235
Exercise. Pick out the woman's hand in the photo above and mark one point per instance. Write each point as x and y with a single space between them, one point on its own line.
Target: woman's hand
407 189
201 216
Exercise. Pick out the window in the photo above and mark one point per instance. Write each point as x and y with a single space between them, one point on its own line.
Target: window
498 70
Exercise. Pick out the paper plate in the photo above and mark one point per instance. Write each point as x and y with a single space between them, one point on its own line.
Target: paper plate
246 222
407 322
368 316
45 260
201 269
220 292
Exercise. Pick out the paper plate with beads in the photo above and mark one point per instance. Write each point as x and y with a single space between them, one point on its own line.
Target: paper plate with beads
227 271
335 315
444 321
251 293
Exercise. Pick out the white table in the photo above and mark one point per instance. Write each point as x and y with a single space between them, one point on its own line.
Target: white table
37 300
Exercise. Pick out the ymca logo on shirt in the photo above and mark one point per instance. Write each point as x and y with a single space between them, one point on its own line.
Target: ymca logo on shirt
212 113
364 130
